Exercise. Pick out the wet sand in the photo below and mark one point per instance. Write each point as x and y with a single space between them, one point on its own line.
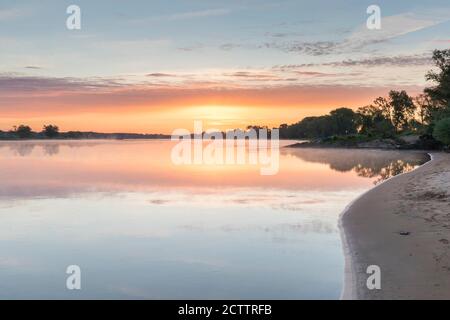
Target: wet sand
402 226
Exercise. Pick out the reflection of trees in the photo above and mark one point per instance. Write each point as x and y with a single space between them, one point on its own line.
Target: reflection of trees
392 169
22 149
379 164
25 149
51 149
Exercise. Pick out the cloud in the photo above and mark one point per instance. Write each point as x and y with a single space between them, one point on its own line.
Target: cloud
251 75
198 14
274 75
317 48
133 45
229 46
395 61
22 96
185 15
442 41
159 75
11 84
11 14
395 26
361 37
315 74
356 40
191 47
398 61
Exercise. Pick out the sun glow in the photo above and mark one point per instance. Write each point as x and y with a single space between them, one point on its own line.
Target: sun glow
219 116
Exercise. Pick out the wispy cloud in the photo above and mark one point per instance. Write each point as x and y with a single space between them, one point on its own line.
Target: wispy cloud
12 13
317 48
395 26
198 14
11 84
191 47
18 86
358 39
398 61
159 74
229 46
185 15
378 61
33 67
251 75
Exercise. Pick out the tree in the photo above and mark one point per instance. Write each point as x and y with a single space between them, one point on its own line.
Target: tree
284 131
372 121
344 121
424 107
402 107
50 131
23 131
384 106
441 131
440 93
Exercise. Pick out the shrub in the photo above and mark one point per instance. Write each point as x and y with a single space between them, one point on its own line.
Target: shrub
23 131
442 131
51 131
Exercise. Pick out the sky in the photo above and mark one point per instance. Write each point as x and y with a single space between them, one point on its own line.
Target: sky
155 66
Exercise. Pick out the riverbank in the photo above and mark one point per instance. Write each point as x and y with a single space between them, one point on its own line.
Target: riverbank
78 135
402 226
411 142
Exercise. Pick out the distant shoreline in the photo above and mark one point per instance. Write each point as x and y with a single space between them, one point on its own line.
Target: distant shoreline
78 135
402 227
400 143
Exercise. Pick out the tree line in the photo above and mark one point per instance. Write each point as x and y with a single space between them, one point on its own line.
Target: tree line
25 132
52 132
427 114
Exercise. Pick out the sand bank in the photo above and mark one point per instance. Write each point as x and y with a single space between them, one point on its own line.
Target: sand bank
402 226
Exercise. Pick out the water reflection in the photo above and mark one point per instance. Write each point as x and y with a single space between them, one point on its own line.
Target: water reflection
141 227
379 164
21 149
69 168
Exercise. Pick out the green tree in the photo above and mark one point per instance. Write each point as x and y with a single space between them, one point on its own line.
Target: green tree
23 131
402 107
440 93
425 108
344 121
384 106
441 131
50 131
373 120
284 131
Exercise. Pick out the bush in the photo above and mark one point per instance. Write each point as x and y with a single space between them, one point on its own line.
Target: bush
23 131
51 131
441 131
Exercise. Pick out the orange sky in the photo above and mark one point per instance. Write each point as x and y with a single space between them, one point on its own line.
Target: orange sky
161 110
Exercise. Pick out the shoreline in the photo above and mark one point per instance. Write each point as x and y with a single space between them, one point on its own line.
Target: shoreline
369 146
348 290
370 228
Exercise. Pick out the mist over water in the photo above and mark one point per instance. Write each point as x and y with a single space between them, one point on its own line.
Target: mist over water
141 227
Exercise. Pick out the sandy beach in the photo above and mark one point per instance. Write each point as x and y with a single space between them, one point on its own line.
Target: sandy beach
402 226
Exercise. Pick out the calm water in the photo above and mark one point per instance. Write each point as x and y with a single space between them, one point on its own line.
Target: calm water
141 227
